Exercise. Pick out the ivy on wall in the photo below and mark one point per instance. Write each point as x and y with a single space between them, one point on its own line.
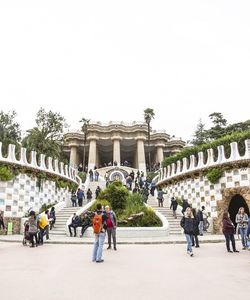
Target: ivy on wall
10 171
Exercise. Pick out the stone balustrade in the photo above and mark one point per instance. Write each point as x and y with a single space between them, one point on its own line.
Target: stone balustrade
48 165
191 164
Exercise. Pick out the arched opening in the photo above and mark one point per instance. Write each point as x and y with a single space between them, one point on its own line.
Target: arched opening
236 202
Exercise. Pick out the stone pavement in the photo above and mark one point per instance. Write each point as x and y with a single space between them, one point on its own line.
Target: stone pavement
171 239
146 272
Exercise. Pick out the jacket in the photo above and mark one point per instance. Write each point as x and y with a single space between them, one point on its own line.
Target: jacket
32 224
242 220
174 204
188 224
227 226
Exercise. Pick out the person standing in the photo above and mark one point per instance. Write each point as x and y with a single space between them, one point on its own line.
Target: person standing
80 195
201 221
174 205
43 224
91 175
1 221
97 191
52 218
111 226
33 228
187 223
96 175
228 231
160 197
73 199
195 240
205 220
99 228
89 195
242 221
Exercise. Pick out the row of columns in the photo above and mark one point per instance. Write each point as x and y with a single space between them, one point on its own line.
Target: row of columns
93 158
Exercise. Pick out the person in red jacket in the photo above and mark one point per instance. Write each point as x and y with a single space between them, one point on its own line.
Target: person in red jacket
228 231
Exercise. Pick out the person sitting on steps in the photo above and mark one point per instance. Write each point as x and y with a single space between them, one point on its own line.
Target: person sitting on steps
75 222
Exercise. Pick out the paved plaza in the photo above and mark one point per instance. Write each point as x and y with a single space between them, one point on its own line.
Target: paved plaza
133 272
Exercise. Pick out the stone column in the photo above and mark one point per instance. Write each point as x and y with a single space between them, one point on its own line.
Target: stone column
141 162
117 152
159 154
73 161
92 154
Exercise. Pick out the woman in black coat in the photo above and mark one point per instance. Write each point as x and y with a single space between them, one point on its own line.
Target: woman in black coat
228 231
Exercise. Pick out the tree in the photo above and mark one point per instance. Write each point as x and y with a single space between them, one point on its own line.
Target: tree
218 130
200 134
10 132
84 129
47 137
148 116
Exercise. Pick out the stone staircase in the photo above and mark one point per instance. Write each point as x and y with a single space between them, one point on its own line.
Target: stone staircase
64 214
174 224
61 219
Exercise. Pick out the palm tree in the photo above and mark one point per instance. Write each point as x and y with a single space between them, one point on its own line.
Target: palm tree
148 116
84 128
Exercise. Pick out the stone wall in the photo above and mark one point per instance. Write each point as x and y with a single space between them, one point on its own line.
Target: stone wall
222 205
16 225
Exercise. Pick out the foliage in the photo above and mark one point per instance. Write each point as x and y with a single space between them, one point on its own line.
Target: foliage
151 175
239 137
148 115
6 173
103 203
116 193
82 175
134 206
47 137
10 132
200 134
213 175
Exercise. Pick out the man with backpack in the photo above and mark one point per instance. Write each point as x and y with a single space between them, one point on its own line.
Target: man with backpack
99 227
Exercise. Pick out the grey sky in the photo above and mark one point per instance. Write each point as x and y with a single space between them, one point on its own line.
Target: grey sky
109 60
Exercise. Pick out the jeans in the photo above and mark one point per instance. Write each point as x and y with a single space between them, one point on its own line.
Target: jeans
98 246
201 226
243 234
41 234
111 232
189 242
230 237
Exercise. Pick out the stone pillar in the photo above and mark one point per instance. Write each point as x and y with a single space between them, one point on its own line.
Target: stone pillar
92 154
141 162
73 160
159 154
116 152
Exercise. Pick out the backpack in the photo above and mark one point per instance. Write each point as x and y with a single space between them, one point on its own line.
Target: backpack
97 223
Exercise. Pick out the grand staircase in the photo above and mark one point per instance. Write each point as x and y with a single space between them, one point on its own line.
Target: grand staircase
64 214
174 224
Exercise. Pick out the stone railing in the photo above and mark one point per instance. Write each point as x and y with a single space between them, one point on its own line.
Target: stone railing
47 165
191 164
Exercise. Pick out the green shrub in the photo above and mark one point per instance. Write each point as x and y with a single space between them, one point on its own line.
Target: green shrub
6 173
116 194
82 175
103 203
46 206
213 175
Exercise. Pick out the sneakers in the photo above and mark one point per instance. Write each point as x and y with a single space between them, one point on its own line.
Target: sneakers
100 261
229 251
191 254
115 249
236 251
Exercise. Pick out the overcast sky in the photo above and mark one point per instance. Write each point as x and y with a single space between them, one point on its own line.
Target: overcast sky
109 60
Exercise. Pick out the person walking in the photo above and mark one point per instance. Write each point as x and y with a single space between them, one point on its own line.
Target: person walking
174 205
97 191
242 222
188 224
111 226
185 205
205 218
43 225
195 240
228 231
52 217
73 199
99 228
